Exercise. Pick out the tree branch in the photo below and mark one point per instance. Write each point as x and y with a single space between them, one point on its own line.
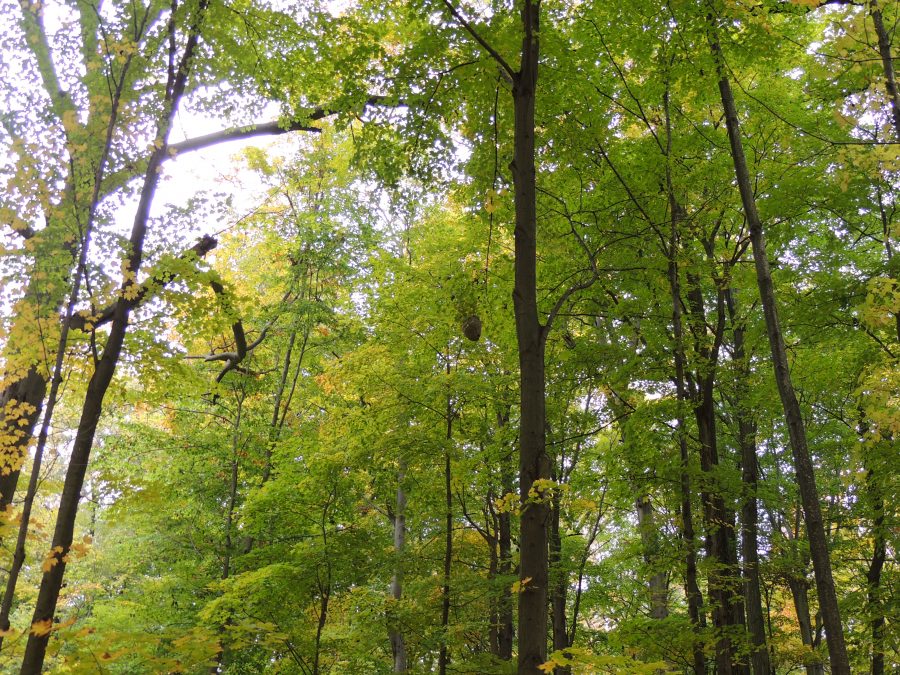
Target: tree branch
508 72
271 128
200 249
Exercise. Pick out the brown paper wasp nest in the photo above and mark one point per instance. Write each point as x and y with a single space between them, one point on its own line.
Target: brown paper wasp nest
471 327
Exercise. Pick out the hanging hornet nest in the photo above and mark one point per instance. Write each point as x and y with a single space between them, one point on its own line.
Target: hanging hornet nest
471 327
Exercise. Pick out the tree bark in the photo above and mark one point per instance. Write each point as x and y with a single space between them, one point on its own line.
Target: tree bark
887 64
759 653
534 464
692 587
803 464
558 585
873 574
443 654
30 391
657 583
718 520
398 644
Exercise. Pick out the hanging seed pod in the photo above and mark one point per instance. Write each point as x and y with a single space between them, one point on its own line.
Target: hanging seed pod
471 327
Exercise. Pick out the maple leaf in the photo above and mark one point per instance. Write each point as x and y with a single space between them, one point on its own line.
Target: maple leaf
42 627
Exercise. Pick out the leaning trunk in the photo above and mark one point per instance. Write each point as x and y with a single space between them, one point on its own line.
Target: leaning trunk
803 465
55 563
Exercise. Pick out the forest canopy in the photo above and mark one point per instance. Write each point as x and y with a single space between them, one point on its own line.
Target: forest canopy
449 336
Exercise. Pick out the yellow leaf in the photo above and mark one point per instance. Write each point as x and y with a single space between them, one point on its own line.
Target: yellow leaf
41 628
70 120
519 586
51 559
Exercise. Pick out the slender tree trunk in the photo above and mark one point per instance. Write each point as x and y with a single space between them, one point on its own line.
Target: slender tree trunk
887 64
759 653
324 597
534 464
692 587
559 584
803 465
719 522
506 633
873 574
879 552
325 588
657 584
398 644
19 552
51 582
221 657
232 487
800 594
493 570
443 654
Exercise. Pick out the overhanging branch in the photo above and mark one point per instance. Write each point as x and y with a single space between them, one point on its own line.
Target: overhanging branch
271 128
105 315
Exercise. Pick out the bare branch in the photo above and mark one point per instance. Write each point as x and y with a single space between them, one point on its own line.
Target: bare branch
271 128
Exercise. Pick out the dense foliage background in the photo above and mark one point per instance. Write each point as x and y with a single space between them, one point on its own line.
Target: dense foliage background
280 429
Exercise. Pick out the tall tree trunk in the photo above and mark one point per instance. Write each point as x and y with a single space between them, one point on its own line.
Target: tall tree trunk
803 465
559 584
534 464
443 654
873 574
759 653
657 584
55 564
718 520
398 643
506 632
19 552
692 587
531 335
879 552
887 64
